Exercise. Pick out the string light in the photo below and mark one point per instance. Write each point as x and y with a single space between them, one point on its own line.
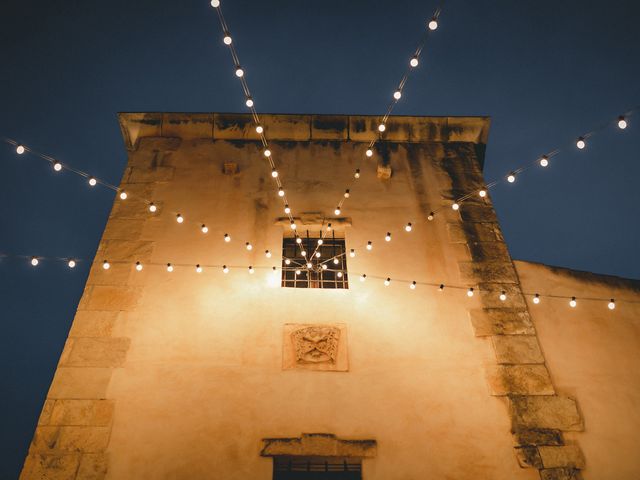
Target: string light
287 210
346 193
204 228
581 143
248 246
267 253
470 292
503 295
275 271
329 227
139 266
320 241
622 122
280 192
337 211
511 178
441 287
298 272
293 225
455 206
251 270
544 161
339 274
318 254
215 3
369 245
34 261
408 227
179 218
71 263
431 216
368 153
259 129
303 253
169 268
352 253
413 62
482 193
612 304
239 72
309 265
152 208
387 282
382 127
397 94
20 149
106 265
274 173
249 102
198 268
287 261
387 237
357 173
298 240
225 269
412 285
57 166
363 277
92 181
336 261
572 302
433 24
227 39
536 299
266 152
324 266
227 238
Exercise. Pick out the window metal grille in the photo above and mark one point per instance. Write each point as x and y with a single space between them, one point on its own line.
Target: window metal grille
329 270
316 468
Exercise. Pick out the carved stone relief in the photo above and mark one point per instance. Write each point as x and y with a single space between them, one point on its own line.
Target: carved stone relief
315 347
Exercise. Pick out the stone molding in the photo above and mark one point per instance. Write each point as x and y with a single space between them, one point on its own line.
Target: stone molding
318 445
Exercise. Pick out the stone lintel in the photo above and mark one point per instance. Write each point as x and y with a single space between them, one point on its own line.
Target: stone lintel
320 445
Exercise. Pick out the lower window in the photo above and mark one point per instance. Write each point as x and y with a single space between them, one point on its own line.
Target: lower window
316 468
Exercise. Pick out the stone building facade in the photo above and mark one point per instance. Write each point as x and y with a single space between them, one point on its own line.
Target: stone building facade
233 376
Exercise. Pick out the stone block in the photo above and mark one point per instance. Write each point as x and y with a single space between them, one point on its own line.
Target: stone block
560 474
113 298
562 456
93 324
83 439
45 415
488 272
126 250
158 173
475 212
519 380
287 127
329 127
187 126
528 457
97 352
123 229
80 382
553 412
72 412
118 274
50 467
538 436
501 321
93 466
515 349
489 251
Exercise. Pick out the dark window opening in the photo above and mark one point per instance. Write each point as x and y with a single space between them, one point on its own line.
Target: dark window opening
314 260
316 468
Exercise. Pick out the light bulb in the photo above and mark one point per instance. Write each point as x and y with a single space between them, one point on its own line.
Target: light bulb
259 129
363 277
482 193
413 62
179 218
339 274
92 181
397 94
152 208
382 127
72 263
470 292
329 227
266 152
20 149
336 261
337 211
387 237
318 254
441 287
387 282
309 265
287 261
408 227
169 268
412 286
622 124
251 270
298 240
293 225
287 210
280 192
248 246
433 24
536 299
503 295
544 161
298 272
227 238
239 72
352 253
357 173
612 303
227 39
249 102
274 270
35 261
320 241
267 253
455 206
511 178
572 302
346 193
204 228
369 245
303 253
106 265
123 195
215 3
225 269
198 268
324 266
57 166
581 143
431 216
369 152
138 266
274 173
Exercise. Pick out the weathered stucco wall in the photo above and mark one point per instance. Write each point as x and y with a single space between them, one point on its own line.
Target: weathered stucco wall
594 356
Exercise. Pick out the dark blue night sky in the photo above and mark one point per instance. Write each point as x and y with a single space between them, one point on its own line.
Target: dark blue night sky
545 71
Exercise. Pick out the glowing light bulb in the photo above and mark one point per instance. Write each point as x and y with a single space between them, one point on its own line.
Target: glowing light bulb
293 225
71 263
92 181
298 240
387 282
309 265
251 270
267 253
441 287
20 149
329 227
274 270
239 72
455 206
287 261
259 129
431 216
204 228
227 39
622 124
470 292
337 211
382 127
248 246
413 62
572 302
274 173
320 241
280 192
169 268
433 24
152 208
339 274
123 195
503 295
303 253
215 3
346 193
536 299
363 277
336 261
397 94
412 286
357 173
34 261
138 266
198 268
387 237
267 152
482 193
318 254
287 210
511 178
106 265
369 245
369 152
227 238
57 166
225 269
179 218
544 161
612 303
298 272
352 253
249 102
408 227
581 143
324 266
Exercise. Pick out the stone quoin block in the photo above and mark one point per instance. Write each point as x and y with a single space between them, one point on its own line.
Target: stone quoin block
80 382
82 412
474 232
489 251
472 212
93 324
538 436
528 457
514 349
103 297
503 321
93 466
45 415
496 272
562 456
551 411
126 250
519 380
560 474
97 352
50 467
123 229
119 273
